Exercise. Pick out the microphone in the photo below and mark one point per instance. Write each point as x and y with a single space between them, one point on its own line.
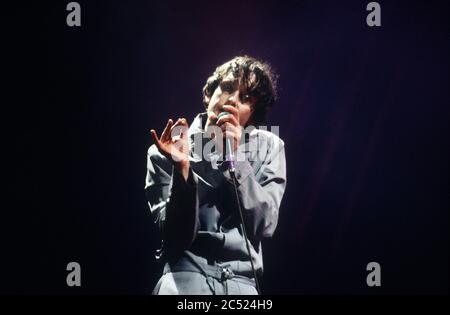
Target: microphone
229 156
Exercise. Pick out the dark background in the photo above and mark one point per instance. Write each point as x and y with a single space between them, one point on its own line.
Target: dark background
364 113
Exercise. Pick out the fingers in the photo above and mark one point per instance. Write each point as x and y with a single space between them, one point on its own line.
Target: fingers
154 135
180 125
227 119
212 119
234 135
170 127
184 128
231 109
166 133
212 116
229 130
180 122
155 138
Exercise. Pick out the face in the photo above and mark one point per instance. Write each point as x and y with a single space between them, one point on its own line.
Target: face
230 93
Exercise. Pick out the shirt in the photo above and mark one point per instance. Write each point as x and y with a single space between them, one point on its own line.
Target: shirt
199 216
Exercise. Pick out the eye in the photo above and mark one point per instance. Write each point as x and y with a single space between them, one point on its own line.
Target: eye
227 87
246 97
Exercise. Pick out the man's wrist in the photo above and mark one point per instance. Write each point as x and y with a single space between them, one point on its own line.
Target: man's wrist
183 168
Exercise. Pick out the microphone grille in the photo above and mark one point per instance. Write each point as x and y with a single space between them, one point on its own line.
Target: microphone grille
221 114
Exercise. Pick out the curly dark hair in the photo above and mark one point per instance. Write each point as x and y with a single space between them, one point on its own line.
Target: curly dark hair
256 77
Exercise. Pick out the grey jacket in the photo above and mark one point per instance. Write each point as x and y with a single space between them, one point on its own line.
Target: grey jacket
199 216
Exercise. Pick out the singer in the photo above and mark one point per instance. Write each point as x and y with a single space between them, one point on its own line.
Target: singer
196 196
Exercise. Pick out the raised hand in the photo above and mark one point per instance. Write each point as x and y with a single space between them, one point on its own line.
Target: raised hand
173 144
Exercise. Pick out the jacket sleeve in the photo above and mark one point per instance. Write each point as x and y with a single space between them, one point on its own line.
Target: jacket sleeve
173 202
260 190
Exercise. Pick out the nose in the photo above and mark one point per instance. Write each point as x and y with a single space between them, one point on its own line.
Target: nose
233 99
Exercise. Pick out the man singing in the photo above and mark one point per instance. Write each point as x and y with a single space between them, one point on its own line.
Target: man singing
192 192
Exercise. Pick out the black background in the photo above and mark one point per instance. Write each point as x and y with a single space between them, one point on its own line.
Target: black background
363 111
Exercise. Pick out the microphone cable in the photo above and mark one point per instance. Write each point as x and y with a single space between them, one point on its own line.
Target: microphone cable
247 243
